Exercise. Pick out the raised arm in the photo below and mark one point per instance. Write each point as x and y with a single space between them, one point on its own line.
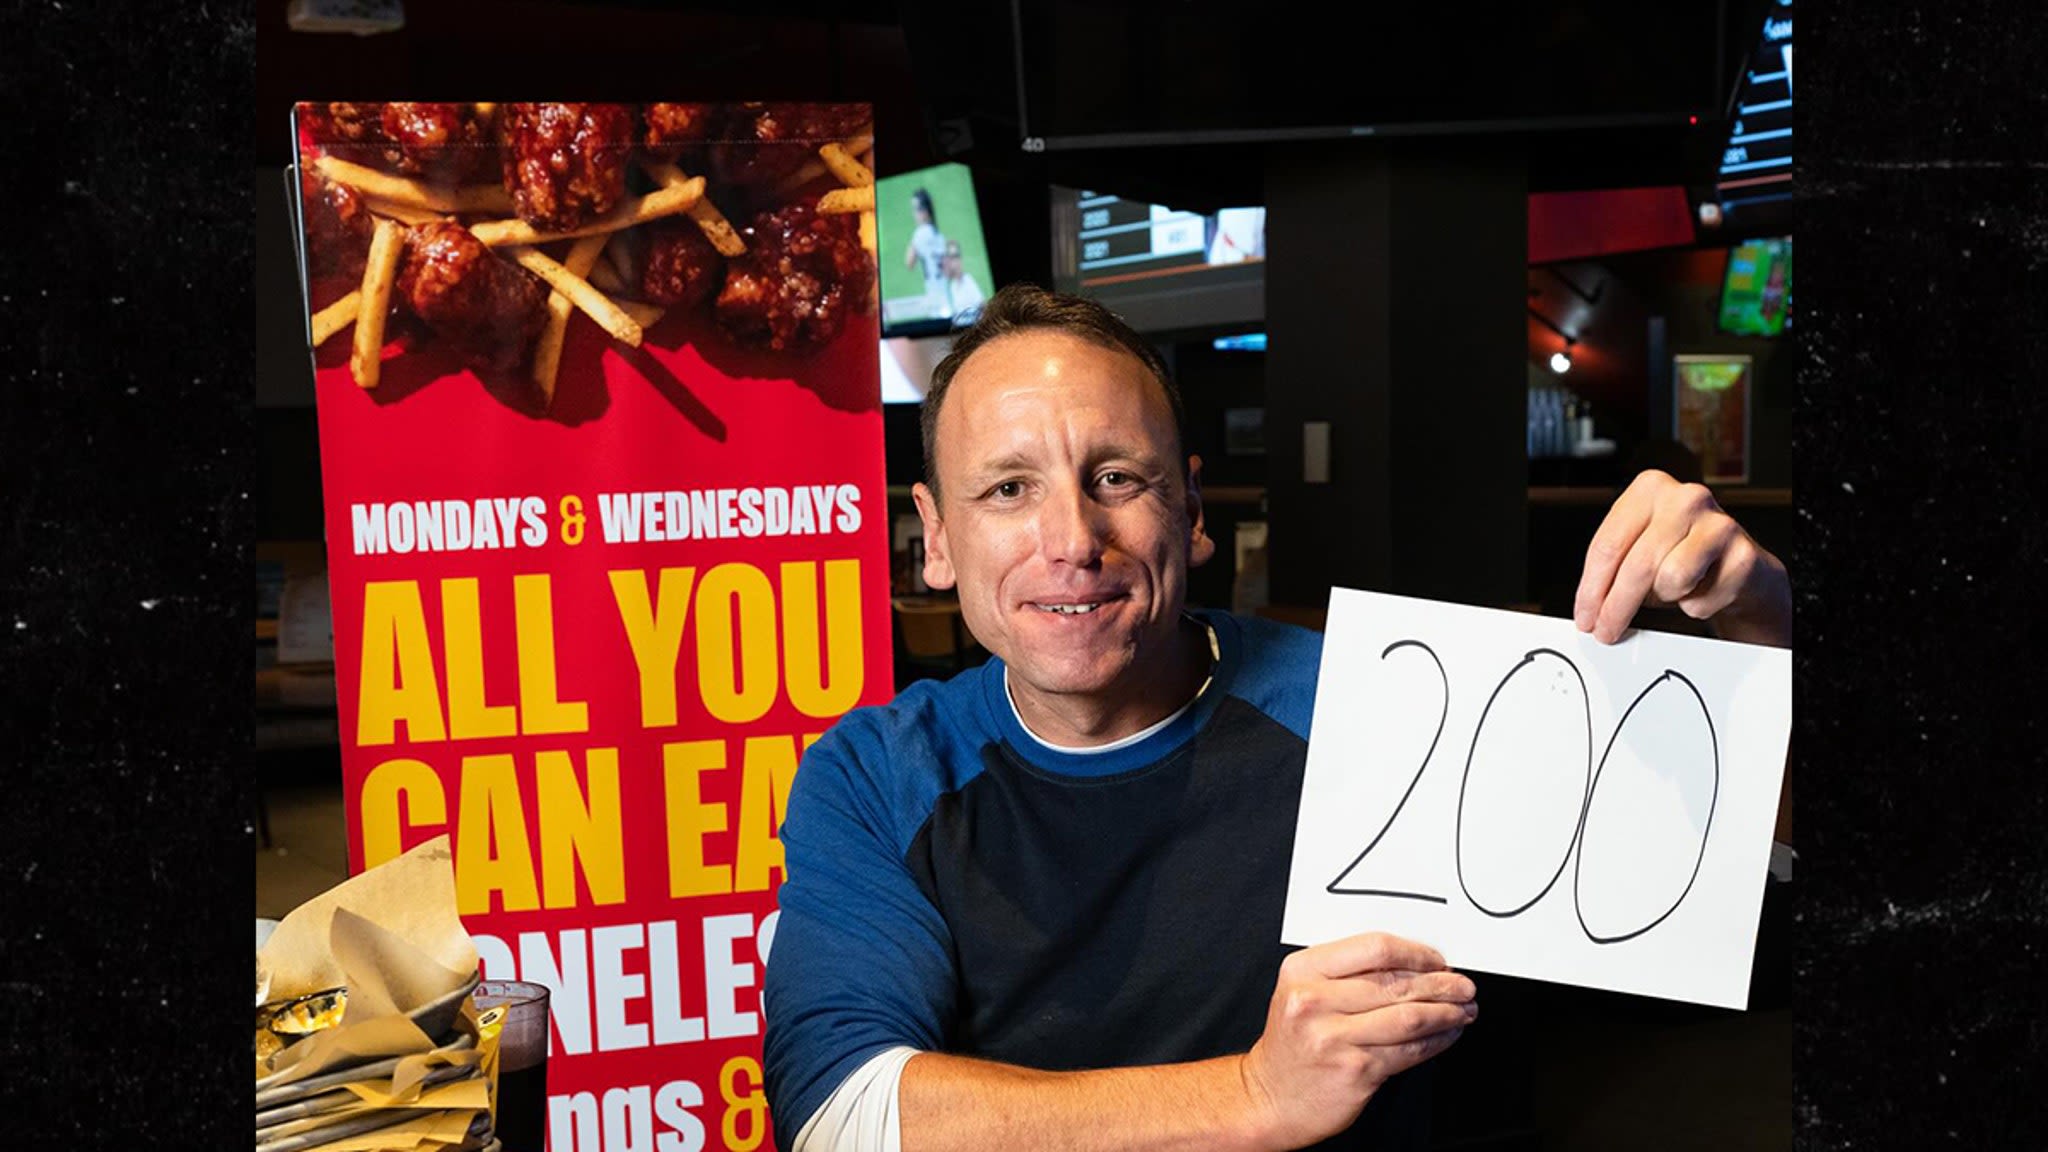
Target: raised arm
1665 543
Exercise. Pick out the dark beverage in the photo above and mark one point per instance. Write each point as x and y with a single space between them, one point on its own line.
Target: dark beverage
522 1120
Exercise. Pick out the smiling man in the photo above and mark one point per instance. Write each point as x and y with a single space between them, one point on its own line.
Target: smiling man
1038 905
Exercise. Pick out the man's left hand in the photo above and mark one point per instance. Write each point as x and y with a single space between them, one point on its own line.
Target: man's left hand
1669 544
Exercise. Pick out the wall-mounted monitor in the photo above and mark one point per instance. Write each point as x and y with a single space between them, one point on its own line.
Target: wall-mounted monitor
1756 165
934 261
1756 291
907 363
1161 268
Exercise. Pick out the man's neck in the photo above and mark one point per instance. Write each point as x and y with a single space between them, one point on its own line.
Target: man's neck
1077 721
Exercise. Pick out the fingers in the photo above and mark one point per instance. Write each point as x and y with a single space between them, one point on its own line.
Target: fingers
1366 952
1372 991
1617 534
1662 542
1407 1023
1705 573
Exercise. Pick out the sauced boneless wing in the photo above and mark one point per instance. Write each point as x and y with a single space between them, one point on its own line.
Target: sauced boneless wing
469 295
761 143
338 226
792 289
683 269
672 127
438 142
565 164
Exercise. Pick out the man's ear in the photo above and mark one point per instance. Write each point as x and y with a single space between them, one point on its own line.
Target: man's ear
1200 547
938 559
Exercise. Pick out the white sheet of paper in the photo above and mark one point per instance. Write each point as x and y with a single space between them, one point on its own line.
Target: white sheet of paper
1533 803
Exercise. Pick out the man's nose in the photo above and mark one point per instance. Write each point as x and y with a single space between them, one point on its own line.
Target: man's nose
1071 527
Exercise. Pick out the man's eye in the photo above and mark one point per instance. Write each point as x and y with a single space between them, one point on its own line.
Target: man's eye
1117 479
1008 490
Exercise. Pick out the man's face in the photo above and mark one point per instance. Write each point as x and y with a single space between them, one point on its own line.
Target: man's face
1068 523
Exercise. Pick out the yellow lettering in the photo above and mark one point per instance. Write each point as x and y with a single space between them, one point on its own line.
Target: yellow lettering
469 717
542 711
491 849
656 636
397 795
742 692
768 762
690 819
805 670
580 827
398 668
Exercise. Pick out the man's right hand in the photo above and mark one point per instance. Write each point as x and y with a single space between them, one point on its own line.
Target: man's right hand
1345 1017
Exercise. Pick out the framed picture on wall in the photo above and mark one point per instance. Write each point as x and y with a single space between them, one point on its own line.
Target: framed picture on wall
1711 413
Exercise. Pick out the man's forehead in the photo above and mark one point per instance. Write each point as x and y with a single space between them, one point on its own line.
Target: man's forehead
1048 357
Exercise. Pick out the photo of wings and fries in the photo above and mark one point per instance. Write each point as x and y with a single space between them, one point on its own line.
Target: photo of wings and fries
487 228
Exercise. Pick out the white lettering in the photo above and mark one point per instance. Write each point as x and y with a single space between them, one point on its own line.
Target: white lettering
750 512
628 1120
614 987
672 1104
401 528
802 520
368 521
485 526
665 986
722 977
849 509
728 512
535 532
675 508
619 514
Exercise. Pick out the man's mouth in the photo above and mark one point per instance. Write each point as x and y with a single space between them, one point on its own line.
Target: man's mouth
1070 607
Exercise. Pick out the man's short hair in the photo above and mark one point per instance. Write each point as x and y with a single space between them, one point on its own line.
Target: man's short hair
1026 308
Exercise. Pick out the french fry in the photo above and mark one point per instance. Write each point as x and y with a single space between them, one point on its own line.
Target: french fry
867 232
403 213
336 316
547 355
840 201
717 229
478 198
850 172
387 243
637 210
710 220
593 303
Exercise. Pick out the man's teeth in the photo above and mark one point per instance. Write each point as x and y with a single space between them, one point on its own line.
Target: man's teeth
1069 609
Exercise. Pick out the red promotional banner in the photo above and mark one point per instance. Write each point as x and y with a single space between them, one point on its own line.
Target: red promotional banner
601 444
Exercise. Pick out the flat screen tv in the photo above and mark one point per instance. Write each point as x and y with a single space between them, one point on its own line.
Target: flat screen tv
1756 292
1161 268
1756 164
907 363
934 262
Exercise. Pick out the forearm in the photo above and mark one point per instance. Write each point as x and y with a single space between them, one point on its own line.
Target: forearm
953 1102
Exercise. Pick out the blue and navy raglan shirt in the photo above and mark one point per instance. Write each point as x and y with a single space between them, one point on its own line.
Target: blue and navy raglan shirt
954 885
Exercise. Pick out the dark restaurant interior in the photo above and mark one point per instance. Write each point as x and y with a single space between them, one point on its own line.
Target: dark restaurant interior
1492 274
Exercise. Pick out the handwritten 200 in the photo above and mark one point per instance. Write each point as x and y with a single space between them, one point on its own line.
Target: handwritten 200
1513 775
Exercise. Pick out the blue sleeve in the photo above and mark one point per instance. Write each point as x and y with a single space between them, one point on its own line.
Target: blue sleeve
861 960
1281 665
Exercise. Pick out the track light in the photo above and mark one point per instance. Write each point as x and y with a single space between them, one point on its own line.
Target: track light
1561 362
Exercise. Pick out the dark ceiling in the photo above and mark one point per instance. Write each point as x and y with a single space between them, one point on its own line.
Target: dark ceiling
1582 88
